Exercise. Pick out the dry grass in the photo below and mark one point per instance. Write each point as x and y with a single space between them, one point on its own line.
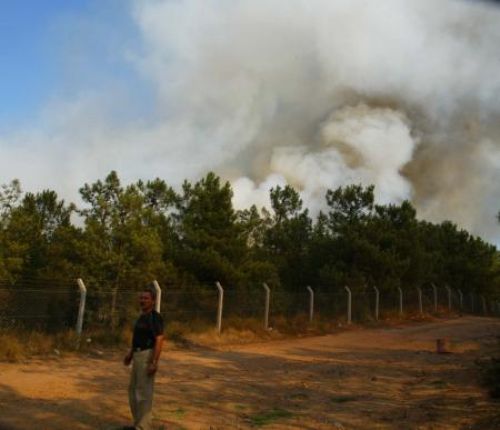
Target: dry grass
11 348
19 344
236 330
103 337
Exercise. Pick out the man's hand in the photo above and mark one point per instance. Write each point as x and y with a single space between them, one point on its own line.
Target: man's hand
152 368
128 358
153 365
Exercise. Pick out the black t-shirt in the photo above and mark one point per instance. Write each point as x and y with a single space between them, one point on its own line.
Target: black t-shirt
146 328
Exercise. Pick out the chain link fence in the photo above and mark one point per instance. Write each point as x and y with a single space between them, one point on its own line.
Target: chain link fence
52 305
45 305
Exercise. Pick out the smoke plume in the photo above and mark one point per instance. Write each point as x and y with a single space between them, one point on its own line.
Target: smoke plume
403 94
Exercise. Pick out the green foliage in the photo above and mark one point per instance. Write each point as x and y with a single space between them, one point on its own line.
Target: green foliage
128 235
121 244
349 206
210 244
35 233
287 238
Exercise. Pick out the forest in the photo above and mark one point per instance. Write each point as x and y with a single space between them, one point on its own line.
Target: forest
124 236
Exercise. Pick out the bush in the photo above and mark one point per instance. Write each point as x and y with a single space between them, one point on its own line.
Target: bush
11 348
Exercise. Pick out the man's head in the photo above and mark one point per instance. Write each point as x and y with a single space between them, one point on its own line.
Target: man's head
147 299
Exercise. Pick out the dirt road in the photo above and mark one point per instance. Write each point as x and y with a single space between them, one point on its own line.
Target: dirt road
384 378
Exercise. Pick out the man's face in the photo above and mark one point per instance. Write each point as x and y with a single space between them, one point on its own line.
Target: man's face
146 301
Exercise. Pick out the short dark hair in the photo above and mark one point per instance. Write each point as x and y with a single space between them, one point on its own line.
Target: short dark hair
151 290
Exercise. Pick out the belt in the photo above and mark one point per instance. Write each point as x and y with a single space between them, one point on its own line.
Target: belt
139 349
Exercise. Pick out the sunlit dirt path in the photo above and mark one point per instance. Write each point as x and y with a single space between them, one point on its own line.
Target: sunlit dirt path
384 378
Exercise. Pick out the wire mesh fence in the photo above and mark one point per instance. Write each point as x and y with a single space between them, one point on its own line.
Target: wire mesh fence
48 305
52 305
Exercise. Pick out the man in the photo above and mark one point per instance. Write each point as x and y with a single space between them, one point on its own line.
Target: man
144 354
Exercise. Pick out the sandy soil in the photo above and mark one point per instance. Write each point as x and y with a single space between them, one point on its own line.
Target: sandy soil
384 378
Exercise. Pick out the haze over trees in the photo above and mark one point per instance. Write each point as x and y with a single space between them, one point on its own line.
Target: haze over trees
128 235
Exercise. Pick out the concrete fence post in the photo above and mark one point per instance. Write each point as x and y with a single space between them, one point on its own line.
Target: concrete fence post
377 302
461 299
157 288
349 304
400 301
449 296
435 292
81 307
219 307
311 304
266 310
420 304
485 310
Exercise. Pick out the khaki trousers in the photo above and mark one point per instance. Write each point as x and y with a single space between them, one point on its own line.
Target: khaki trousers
140 391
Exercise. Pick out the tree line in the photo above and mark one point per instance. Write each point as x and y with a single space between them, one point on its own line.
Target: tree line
125 235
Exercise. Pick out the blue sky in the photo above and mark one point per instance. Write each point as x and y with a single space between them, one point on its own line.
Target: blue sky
56 48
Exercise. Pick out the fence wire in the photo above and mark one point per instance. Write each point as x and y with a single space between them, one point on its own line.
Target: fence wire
52 305
46 305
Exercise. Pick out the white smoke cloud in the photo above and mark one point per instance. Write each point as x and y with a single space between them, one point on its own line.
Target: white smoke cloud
318 93
246 191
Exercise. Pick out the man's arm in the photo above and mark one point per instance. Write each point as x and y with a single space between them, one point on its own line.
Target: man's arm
153 366
128 358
